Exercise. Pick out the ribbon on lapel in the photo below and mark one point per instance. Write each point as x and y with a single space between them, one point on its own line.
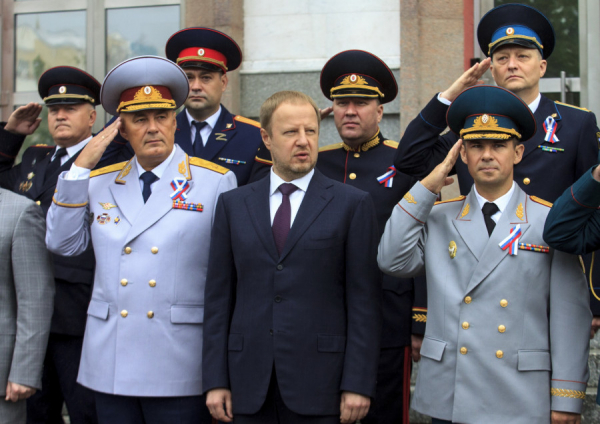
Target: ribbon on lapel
511 242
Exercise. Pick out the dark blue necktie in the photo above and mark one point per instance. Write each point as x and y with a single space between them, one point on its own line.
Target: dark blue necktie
489 209
198 144
283 216
56 162
148 178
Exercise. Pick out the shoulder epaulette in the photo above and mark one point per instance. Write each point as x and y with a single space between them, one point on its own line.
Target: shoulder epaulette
390 143
568 105
540 201
331 147
43 145
208 165
246 120
108 169
456 199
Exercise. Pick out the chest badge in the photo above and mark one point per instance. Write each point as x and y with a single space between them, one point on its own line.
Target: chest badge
387 179
103 219
550 126
452 249
30 176
107 206
511 242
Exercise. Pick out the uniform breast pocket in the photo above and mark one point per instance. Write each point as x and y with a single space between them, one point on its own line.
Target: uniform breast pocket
325 241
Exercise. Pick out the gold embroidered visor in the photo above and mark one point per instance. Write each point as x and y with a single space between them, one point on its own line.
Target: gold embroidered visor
356 85
147 97
489 127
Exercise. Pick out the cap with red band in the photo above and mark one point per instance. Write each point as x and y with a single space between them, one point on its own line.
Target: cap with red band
200 54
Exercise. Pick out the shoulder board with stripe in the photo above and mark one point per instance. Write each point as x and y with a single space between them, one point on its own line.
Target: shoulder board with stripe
390 143
540 201
456 199
108 169
329 147
246 121
568 105
43 145
208 165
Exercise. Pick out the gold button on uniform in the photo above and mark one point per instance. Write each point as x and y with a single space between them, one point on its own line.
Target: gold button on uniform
150 314
128 250
501 328
124 313
463 350
356 155
352 176
152 283
499 354
504 303
468 300
526 181
154 250
465 325
124 282
37 202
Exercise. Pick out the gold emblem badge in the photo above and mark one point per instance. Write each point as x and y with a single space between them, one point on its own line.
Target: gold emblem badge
354 79
200 52
484 119
510 31
452 249
126 171
107 206
147 90
409 198
182 169
465 212
229 125
520 213
62 89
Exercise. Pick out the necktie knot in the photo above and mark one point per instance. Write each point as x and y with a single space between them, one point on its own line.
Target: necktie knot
148 178
55 163
60 152
490 209
286 189
199 125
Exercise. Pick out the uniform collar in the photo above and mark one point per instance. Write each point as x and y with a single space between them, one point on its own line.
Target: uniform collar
369 144
211 120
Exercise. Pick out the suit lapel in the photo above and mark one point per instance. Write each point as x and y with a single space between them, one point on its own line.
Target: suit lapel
545 109
183 135
220 136
259 211
470 225
315 199
492 255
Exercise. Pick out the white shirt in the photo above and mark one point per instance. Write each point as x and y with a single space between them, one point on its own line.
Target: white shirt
275 196
205 132
532 106
71 151
501 202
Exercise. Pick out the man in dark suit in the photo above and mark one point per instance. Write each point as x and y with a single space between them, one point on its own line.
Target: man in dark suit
70 95
292 321
518 40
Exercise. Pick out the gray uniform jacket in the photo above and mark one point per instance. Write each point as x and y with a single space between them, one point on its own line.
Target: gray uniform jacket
143 334
507 337
26 291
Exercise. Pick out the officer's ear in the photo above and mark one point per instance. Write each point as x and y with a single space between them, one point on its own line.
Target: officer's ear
519 150
123 128
266 137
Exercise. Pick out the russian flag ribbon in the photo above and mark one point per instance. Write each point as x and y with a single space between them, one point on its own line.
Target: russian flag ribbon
180 186
512 241
387 179
550 129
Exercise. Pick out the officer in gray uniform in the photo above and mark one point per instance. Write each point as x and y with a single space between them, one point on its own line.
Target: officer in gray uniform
507 336
149 220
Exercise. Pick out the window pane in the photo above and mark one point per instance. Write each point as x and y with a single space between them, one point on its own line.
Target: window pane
138 31
564 15
45 40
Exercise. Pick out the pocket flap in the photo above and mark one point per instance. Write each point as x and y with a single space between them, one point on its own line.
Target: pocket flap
331 343
236 342
98 309
433 349
187 314
534 360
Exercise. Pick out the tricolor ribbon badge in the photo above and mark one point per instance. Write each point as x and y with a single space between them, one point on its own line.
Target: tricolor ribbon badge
550 128
180 186
387 179
512 241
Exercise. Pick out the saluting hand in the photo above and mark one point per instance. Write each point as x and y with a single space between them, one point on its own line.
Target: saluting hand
92 153
325 112
25 119
438 178
353 407
565 418
471 77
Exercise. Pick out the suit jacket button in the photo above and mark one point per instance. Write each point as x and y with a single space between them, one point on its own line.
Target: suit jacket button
152 283
154 250
150 314
277 299
37 202
124 313
501 328
124 282
468 300
463 350
465 325
128 250
504 303
499 354
279 267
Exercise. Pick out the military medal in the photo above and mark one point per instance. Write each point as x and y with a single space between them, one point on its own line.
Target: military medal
534 247
180 187
25 186
551 149
188 206
550 129
233 161
387 179
512 241
103 219
117 220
